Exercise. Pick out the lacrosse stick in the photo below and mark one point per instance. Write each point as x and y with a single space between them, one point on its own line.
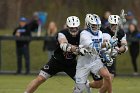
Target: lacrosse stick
92 50
122 20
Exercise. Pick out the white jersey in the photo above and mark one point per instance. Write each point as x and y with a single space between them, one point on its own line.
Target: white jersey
89 40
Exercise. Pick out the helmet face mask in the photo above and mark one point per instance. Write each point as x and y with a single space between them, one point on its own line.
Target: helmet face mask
113 27
73 24
94 27
73 30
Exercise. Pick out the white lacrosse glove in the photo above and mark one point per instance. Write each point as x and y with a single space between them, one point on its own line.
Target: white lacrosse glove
106 59
113 41
115 52
81 50
110 62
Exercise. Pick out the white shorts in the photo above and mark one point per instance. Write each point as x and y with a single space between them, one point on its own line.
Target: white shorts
83 72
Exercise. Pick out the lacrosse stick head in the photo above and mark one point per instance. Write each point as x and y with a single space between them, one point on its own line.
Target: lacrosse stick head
122 16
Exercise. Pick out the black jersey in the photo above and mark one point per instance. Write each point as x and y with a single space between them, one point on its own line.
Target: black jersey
62 56
120 34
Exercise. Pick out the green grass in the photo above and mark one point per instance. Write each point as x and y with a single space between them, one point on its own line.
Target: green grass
62 84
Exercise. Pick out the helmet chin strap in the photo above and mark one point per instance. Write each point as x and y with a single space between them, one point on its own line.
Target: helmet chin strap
95 33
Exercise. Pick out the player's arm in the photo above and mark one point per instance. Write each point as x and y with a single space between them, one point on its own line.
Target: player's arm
124 46
106 41
85 40
87 43
105 44
64 45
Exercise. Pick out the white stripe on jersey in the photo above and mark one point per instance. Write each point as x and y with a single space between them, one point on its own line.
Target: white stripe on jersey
60 36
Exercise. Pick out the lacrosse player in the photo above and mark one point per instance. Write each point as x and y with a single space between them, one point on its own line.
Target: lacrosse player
93 39
64 58
117 35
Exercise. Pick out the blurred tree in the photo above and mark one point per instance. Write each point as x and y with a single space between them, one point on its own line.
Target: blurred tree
59 10
3 14
14 11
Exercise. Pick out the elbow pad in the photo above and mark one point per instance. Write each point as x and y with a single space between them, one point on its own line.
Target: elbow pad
65 47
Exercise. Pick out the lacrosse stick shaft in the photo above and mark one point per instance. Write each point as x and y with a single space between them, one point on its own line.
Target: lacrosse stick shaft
122 20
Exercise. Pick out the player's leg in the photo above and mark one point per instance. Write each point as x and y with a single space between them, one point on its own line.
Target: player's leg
71 70
51 68
112 68
100 69
34 84
97 81
79 88
107 84
81 78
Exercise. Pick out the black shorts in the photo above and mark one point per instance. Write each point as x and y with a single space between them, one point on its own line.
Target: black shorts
54 66
112 68
96 77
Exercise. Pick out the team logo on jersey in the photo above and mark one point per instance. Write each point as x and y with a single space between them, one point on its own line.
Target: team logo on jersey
97 40
97 43
46 67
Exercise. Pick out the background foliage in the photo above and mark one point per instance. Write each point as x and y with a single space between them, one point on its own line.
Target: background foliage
59 10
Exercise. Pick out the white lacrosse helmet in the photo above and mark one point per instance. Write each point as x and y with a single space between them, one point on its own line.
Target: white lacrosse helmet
89 19
73 21
114 19
92 19
98 20
88 16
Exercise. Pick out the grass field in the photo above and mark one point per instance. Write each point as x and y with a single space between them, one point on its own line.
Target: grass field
62 84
